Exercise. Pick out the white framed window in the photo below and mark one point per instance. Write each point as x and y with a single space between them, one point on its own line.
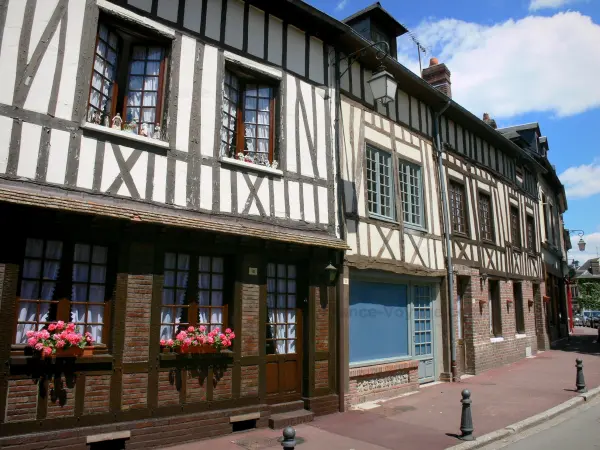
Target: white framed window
380 191
411 187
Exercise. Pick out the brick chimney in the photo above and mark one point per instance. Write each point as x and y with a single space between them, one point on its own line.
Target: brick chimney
438 76
489 121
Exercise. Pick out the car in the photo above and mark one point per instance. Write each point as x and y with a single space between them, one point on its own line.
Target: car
577 321
594 319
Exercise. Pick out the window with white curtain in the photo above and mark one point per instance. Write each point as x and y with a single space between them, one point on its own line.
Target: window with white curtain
85 289
179 300
128 79
281 309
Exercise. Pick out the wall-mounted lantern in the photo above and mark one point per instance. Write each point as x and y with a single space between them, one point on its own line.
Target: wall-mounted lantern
331 273
383 85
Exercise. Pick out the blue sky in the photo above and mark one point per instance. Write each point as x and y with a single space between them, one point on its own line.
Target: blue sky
521 61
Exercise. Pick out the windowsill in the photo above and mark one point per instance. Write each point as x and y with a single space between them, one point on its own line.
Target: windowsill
125 135
251 166
520 335
496 339
382 218
410 226
172 356
378 362
22 360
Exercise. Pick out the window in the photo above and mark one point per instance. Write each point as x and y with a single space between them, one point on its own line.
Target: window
379 184
485 217
422 321
495 308
530 233
551 223
515 226
248 118
63 281
184 305
411 186
458 208
281 309
519 313
128 78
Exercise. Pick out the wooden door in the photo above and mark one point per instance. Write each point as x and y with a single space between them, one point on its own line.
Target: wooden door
283 333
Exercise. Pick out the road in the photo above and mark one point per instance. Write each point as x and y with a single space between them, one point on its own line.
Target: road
577 429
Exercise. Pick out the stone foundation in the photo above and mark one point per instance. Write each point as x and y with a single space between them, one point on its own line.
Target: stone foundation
382 381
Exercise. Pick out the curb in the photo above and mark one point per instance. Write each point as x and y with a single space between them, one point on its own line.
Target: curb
530 422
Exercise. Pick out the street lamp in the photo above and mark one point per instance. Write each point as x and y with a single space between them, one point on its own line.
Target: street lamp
581 243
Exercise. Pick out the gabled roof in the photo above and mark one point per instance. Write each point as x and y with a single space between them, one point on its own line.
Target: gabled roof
379 14
583 271
523 127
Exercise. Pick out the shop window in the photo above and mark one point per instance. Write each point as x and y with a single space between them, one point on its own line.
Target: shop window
192 294
127 90
248 118
64 281
281 309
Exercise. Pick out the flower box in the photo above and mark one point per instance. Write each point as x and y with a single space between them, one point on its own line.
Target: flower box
198 349
73 352
59 339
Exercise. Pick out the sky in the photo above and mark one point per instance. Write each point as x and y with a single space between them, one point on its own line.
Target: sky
521 61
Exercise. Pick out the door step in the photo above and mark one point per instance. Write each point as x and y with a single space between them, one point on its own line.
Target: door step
290 418
279 408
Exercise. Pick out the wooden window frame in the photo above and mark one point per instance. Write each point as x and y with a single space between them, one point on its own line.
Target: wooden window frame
515 226
245 78
530 231
377 152
64 284
271 342
406 196
455 210
486 218
122 74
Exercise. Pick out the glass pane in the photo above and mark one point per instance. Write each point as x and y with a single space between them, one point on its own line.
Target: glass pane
98 274
99 255
204 298
204 281
216 316
97 81
291 331
113 40
79 292
270 284
204 263
292 346
250 117
95 98
153 68
96 332
148 115
80 272
133 114
264 92
47 290
29 290
27 312
270 270
78 313
183 262
95 314
137 68
112 57
182 278
96 293
150 99
250 102
217 281
281 271
250 131
291 288
136 83
170 259
263 119
217 299
155 53
32 268
168 297
291 301
180 296
263 131
281 286
103 32
139 52
217 265
99 65
263 104
151 84
203 315
169 278
34 247
270 301
51 269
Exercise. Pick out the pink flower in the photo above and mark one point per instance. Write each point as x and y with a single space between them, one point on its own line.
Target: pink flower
47 351
71 326
228 330
231 335
210 340
190 329
60 344
60 325
181 336
39 346
44 334
88 339
163 342
217 330
170 342
32 341
187 341
30 333
201 339
222 336
202 328
52 327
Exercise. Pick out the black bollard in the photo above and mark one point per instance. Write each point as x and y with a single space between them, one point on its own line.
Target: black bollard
580 381
466 420
289 435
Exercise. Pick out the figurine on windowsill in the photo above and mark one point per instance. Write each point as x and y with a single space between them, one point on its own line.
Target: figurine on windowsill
96 117
133 127
274 165
117 122
106 121
241 156
156 134
144 129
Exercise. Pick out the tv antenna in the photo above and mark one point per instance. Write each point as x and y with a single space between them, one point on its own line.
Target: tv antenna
420 48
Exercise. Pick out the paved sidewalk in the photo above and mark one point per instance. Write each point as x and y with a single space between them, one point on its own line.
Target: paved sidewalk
428 419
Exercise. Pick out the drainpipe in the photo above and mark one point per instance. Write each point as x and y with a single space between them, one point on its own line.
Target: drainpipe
341 330
445 221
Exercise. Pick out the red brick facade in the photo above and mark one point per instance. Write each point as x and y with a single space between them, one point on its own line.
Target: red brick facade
478 349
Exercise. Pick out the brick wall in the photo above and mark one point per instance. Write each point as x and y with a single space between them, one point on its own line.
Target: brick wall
135 390
167 389
382 381
249 383
541 320
482 350
22 400
322 374
97 392
222 384
63 405
195 387
250 319
322 320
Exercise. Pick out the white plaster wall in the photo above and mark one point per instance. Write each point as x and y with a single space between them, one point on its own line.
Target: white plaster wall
9 50
410 152
256 32
41 17
209 99
186 90
351 237
377 242
225 190
309 203
306 131
290 110
294 197
159 191
234 25
279 197
275 43
138 174
30 143
5 132
323 205
364 238
193 15
87 156
206 187
110 168
321 144
57 156
381 140
180 183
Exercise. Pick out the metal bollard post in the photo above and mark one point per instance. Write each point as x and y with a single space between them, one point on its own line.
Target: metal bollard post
580 381
289 435
466 420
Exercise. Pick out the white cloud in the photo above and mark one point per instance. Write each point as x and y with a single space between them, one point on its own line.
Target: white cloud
536 5
582 181
530 65
341 5
592 248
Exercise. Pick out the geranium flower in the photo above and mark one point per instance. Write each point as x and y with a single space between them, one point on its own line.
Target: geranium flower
39 346
170 342
30 333
60 344
60 325
228 330
231 335
163 342
47 351
32 341
190 329
52 327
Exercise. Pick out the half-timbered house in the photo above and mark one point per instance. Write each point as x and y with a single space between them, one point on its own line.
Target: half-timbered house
166 163
552 205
